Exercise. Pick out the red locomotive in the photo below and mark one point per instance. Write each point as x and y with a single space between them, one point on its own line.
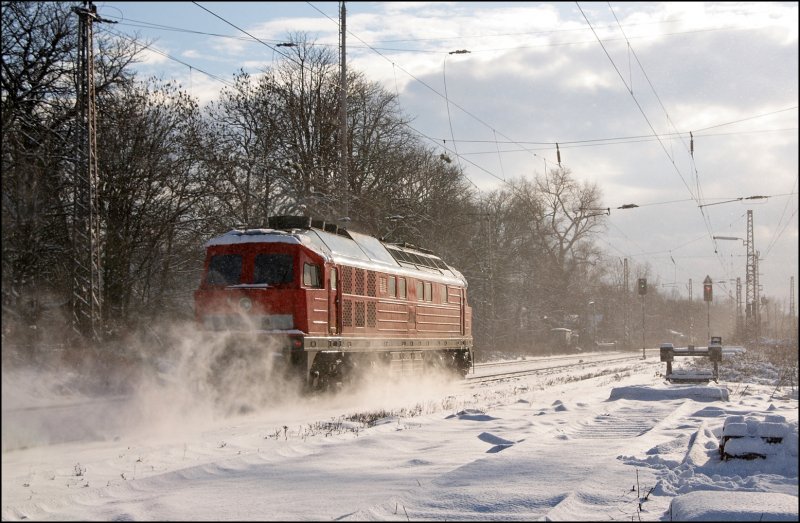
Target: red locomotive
326 302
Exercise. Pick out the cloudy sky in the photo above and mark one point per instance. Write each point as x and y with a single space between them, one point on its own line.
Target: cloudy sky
618 86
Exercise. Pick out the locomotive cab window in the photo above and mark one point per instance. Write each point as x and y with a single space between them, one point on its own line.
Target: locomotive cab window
273 269
224 269
311 276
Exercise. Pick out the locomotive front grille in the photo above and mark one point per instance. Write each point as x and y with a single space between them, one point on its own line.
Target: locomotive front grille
220 322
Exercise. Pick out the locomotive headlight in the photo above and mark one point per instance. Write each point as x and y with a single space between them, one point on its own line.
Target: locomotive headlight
246 304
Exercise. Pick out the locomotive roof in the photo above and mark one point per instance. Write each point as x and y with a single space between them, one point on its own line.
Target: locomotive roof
352 248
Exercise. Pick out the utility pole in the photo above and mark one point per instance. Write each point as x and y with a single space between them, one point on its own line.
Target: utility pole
691 315
643 343
642 285
626 298
793 332
757 299
343 111
751 283
86 233
738 307
708 297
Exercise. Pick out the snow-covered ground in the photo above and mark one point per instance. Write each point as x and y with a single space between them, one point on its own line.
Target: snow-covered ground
604 441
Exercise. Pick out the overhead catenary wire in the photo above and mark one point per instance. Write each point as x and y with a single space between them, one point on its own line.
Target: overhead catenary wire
166 55
599 142
690 147
274 49
564 144
698 196
776 234
447 104
476 118
163 27
638 105
438 94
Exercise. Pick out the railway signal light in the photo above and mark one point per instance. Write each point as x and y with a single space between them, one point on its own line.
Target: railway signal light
707 292
642 286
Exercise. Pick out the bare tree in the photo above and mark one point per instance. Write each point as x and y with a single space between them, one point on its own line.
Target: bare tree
245 152
536 260
570 217
306 88
38 112
150 187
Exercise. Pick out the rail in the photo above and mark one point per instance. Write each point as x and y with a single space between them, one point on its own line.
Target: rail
498 376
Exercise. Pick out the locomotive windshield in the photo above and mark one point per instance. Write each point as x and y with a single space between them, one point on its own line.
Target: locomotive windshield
273 269
224 269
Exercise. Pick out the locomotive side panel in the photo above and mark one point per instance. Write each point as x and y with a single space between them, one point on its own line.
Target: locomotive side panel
316 309
436 313
393 317
372 305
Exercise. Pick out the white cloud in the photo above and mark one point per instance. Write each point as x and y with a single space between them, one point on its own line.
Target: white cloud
537 75
149 57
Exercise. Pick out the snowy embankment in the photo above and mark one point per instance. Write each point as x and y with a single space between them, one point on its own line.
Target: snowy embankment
611 442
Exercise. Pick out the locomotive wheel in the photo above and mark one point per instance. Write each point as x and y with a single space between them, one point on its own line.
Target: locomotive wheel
330 370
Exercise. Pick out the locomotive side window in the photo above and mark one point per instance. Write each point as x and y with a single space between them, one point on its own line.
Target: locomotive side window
428 291
273 269
401 288
419 291
443 293
224 269
333 279
392 286
311 276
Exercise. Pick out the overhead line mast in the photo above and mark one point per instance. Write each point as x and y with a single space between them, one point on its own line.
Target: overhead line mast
86 233
752 316
343 113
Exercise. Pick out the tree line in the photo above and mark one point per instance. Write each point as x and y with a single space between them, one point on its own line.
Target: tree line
173 174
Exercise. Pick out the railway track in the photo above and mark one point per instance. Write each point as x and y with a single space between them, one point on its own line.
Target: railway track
524 361
484 373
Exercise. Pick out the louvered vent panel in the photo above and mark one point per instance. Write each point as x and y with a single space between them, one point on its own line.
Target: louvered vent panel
359 314
359 282
347 280
347 313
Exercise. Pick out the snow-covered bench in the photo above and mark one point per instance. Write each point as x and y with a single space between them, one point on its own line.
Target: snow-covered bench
750 438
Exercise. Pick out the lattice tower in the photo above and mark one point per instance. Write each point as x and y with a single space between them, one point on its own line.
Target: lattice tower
86 242
343 154
751 284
